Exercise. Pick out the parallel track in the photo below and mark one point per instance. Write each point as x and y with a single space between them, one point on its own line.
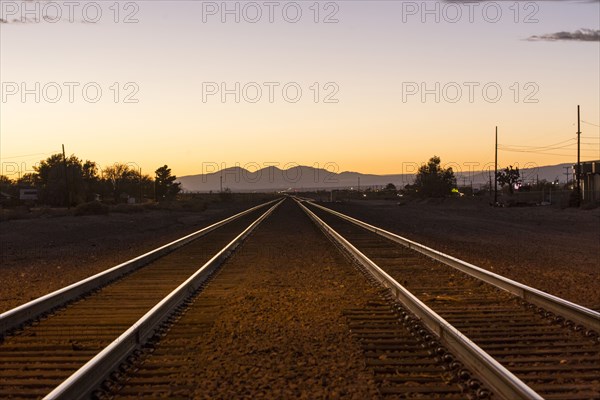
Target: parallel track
168 366
39 356
557 358
522 350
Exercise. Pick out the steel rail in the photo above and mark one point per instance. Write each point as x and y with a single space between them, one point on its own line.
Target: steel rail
503 382
83 381
557 305
19 315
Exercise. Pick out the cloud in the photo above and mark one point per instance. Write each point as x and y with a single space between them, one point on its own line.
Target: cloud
580 35
484 1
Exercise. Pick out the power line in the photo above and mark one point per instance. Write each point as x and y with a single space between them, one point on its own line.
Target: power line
566 145
553 144
544 153
538 149
590 123
30 155
573 145
547 147
570 147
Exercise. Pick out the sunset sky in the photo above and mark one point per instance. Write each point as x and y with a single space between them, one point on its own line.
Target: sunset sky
375 61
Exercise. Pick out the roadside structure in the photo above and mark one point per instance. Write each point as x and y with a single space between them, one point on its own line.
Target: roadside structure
589 179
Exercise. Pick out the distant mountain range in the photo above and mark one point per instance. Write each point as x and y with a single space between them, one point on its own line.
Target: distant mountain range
299 178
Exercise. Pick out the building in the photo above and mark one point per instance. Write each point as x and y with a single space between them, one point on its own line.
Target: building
589 180
28 194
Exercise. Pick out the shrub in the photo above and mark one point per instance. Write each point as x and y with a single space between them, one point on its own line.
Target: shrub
20 212
127 208
575 198
91 208
151 205
194 205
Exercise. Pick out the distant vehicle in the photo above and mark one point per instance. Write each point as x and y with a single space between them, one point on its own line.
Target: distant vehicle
455 192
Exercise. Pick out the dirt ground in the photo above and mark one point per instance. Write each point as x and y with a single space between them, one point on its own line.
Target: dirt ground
272 324
554 250
40 255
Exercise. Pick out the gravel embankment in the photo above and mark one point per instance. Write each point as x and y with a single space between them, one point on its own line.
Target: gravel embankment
271 324
40 255
554 250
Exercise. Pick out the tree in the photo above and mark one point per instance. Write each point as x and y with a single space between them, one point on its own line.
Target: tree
54 178
166 187
91 180
90 170
390 187
30 179
8 186
434 181
122 179
5 181
509 176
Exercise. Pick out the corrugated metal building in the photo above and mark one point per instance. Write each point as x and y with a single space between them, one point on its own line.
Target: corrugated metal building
589 180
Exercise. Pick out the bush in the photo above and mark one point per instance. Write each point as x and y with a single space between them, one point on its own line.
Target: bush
20 212
150 205
127 208
194 205
91 208
48 212
575 198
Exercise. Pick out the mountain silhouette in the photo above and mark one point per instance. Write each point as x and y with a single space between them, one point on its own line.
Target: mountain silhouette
301 177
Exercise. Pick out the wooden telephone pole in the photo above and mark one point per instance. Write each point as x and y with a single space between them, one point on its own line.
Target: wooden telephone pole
68 193
141 187
496 170
578 172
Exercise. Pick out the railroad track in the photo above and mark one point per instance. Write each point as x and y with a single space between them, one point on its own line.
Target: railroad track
261 351
548 344
440 334
45 341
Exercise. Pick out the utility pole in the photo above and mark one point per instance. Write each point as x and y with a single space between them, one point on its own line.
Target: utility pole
578 172
496 170
141 187
68 194
490 176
